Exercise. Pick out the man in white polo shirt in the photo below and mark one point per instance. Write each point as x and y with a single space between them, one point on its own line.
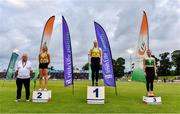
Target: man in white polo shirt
23 72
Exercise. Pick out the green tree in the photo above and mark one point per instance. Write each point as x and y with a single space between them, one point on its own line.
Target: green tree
119 67
86 66
165 64
175 55
156 59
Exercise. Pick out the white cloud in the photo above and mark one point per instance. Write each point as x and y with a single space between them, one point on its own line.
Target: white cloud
16 3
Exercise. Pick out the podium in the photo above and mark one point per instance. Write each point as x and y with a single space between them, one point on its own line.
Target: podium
152 100
41 96
95 95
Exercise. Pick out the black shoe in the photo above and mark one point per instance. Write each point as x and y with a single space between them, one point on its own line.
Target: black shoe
93 84
96 83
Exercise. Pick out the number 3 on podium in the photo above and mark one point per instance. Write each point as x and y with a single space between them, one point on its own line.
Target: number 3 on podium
96 91
154 99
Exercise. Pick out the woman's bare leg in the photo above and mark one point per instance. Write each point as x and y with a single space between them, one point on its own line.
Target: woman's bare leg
40 77
46 78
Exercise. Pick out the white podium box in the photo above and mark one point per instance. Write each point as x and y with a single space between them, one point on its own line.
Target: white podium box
152 100
95 94
41 96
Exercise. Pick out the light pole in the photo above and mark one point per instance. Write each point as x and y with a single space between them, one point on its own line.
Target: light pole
89 67
130 52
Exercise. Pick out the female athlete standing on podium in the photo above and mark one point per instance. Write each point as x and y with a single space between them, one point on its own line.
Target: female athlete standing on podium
95 54
44 60
149 64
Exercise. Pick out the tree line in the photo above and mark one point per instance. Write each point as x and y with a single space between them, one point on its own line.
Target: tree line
118 66
168 64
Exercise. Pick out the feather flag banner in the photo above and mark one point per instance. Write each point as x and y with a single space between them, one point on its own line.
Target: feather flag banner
107 66
141 52
67 53
10 71
48 28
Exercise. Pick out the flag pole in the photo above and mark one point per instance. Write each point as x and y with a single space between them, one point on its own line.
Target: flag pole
116 88
72 82
73 89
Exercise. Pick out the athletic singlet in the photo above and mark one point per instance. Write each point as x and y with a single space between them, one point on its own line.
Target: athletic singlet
149 62
95 52
44 58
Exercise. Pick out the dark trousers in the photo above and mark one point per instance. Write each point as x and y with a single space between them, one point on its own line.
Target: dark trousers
95 66
150 75
26 83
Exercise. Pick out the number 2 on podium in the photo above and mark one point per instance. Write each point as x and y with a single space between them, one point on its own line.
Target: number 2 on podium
39 95
97 92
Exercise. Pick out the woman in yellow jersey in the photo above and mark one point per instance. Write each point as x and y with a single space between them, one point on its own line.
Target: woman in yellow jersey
95 54
44 60
149 64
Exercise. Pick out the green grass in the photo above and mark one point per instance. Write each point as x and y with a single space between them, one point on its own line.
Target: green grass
129 99
167 77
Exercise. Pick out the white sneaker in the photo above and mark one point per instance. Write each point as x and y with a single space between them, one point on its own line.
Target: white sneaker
45 89
40 89
17 100
27 100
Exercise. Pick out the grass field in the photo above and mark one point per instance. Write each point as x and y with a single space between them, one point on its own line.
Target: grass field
128 100
168 77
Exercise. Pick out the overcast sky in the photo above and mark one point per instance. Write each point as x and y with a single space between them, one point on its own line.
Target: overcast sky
22 23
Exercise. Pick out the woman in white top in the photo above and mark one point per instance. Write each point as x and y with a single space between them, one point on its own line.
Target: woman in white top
23 72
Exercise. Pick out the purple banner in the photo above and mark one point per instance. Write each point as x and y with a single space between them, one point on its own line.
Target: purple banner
67 51
107 66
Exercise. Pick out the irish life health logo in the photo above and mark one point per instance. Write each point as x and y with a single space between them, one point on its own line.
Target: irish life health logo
142 46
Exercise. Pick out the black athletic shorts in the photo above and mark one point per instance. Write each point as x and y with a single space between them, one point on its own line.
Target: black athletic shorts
150 73
95 63
43 65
